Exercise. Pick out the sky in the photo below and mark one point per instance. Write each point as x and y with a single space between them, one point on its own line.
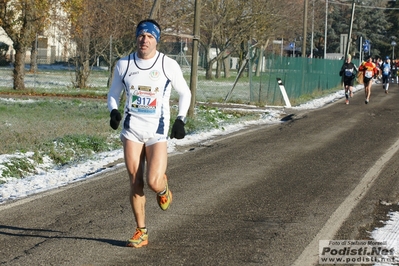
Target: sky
49 177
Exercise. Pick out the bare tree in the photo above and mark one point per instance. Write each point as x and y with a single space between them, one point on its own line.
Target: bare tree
80 19
21 20
102 28
116 34
225 26
229 24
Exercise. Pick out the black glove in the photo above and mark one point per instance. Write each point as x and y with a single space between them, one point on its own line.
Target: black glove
178 131
115 119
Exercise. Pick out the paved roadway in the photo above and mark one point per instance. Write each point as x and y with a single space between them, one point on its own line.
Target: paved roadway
262 196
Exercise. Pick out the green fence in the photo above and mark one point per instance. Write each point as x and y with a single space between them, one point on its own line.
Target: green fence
300 76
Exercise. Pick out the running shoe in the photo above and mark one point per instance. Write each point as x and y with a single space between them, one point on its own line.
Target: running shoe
346 101
164 200
366 101
139 239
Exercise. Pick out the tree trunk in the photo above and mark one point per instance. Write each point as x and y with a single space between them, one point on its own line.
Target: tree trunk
19 68
259 63
83 59
208 73
226 65
85 74
218 69
82 73
33 58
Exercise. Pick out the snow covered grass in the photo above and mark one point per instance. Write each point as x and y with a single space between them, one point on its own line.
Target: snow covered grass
62 130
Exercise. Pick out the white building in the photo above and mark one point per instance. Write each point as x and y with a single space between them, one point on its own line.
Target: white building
5 39
54 45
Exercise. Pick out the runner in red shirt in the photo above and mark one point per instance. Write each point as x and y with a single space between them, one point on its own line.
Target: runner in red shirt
369 69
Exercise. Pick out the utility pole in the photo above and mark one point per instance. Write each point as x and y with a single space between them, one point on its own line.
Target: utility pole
154 9
325 31
350 30
194 58
305 28
311 41
110 54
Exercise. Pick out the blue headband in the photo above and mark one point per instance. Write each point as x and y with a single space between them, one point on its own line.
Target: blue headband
148 27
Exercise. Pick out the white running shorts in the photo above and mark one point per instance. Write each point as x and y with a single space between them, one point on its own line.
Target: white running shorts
145 138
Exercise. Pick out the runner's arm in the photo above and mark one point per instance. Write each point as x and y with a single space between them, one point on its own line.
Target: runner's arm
116 89
174 72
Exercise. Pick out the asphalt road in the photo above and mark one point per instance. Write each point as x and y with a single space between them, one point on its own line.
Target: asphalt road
261 196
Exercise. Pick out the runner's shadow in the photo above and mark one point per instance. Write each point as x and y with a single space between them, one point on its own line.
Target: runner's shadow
287 118
52 234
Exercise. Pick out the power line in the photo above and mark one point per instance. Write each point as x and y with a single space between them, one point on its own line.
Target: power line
360 6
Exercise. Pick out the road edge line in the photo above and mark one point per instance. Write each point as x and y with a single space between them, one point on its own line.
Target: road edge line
310 254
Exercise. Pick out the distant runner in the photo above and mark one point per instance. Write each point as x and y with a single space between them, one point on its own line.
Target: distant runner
348 71
369 70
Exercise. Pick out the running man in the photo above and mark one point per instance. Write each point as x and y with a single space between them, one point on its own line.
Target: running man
369 70
147 77
349 71
386 73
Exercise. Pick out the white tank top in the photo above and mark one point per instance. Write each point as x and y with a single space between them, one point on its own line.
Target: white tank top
147 95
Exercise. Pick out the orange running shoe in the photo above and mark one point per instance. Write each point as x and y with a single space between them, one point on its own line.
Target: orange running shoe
139 239
165 199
